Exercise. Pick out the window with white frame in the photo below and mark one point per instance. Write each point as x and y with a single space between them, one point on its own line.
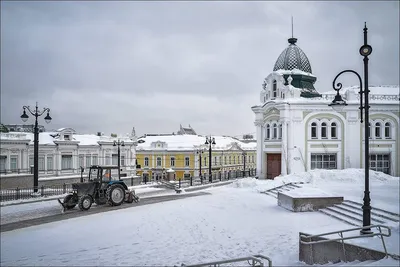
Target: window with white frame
323 161
369 130
95 160
275 131
215 161
66 162
30 161
280 131
333 130
146 161
314 133
50 166
81 161
108 159
324 133
41 163
187 161
114 159
380 162
13 163
274 89
158 161
205 161
3 160
388 130
230 160
378 130
172 162
225 160
122 160
88 160
268 132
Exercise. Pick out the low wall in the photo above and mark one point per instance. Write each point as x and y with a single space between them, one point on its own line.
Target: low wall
26 181
333 252
299 204
18 180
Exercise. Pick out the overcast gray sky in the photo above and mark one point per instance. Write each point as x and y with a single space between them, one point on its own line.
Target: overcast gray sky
109 66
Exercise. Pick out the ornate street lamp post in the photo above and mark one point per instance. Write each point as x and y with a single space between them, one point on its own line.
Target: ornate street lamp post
200 152
338 102
119 143
24 118
209 141
244 163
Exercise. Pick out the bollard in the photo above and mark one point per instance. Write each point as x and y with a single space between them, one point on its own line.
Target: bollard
179 183
191 181
42 190
64 188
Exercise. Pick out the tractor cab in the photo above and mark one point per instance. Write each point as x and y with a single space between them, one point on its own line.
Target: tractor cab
103 173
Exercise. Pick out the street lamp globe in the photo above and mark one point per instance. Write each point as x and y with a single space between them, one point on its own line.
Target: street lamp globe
24 116
338 103
47 118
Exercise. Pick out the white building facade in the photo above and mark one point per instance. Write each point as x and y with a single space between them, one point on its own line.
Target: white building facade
64 152
297 131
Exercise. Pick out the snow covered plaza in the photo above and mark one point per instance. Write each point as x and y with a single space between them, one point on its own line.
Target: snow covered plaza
235 220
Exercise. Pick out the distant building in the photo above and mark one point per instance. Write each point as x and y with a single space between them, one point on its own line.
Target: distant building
297 131
26 128
179 153
188 130
64 151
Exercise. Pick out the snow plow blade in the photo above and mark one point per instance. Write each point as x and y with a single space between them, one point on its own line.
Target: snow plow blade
63 207
130 196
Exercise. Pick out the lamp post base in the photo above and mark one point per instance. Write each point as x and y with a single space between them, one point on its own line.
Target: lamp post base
366 231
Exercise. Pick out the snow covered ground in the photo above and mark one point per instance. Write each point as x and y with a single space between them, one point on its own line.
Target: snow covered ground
234 221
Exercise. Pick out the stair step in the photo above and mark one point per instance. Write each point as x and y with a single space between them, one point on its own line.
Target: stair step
396 215
347 220
375 211
358 210
353 215
375 217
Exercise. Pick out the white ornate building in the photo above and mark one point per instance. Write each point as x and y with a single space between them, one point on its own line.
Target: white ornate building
297 131
64 151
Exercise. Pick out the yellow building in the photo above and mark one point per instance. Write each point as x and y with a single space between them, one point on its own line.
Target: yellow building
182 155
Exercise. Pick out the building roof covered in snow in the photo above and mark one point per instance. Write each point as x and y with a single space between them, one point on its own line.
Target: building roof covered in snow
190 142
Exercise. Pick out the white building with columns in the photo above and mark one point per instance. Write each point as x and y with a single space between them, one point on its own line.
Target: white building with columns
297 131
64 152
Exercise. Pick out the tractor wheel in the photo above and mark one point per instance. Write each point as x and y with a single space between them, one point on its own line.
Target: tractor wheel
69 202
115 195
85 202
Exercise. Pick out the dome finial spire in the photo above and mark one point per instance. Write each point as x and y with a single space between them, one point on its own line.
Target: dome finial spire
292 40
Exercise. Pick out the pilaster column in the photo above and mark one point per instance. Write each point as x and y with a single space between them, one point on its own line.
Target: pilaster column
260 148
284 148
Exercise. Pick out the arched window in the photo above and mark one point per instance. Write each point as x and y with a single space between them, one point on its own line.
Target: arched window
378 130
323 130
333 130
158 161
275 131
268 132
230 160
146 161
274 89
388 130
205 161
314 130
225 160
280 131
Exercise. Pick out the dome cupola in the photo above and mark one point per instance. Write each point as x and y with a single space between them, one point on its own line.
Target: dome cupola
293 58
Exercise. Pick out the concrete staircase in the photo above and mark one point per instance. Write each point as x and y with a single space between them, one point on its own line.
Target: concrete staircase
273 192
351 212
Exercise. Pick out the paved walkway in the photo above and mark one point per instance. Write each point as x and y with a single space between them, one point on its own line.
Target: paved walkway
95 209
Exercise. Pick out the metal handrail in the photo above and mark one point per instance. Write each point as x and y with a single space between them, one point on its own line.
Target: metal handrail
254 260
340 232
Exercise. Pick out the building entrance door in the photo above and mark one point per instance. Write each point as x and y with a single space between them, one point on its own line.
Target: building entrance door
273 165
